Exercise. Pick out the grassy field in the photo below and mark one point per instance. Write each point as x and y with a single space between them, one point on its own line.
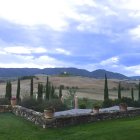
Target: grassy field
15 128
88 87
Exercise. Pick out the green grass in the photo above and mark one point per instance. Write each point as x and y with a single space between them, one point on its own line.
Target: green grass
15 128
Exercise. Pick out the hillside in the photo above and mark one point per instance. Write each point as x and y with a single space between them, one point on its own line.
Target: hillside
87 87
99 74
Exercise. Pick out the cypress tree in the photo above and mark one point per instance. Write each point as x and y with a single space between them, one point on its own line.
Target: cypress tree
40 91
8 93
132 94
60 92
139 91
47 89
106 96
52 91
31 88
18 90
119 91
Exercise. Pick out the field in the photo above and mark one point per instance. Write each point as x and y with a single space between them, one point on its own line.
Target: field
87 87
15 128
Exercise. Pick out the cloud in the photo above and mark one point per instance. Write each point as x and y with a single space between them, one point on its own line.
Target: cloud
110 61
135 33
88 34
62 51
24 50
135 70
36 13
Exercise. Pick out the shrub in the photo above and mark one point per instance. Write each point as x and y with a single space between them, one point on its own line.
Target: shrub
4 101
128 101
82 106
57 104
39 105
29 103
107 103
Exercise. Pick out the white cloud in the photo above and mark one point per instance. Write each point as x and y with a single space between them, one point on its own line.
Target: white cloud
110 61
54 14
62 51
29 61
24 50
134 70
135 33
17 50
34 12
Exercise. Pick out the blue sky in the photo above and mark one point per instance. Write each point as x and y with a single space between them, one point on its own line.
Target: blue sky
87 34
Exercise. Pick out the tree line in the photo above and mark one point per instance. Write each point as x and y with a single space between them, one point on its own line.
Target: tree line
108 101
48 89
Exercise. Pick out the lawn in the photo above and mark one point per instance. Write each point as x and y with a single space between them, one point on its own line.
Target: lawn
15 128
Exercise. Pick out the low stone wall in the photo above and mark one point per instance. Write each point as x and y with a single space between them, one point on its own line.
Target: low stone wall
38 118
33 116
5 108
74 120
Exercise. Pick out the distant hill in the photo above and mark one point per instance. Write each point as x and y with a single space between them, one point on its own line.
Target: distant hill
135 77
99 74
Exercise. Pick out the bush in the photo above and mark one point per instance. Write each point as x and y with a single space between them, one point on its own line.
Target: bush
4 101
39 105
29 103
82 106
57 104
107 103
128 101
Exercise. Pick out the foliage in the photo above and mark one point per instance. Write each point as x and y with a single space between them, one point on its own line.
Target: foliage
8 93
60 92
132 94
52 92
139 91
31 87
29 103
70 97
4 101
47 89
72 92
40 91
82 106
40 106
18 90
27 77
128 101
119 91
106 96
107 103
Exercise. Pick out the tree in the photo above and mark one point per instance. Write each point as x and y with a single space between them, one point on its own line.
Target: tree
106 96
132 94
71 96
47 89
40 91
139 90
18 90
31 88
60 91
52 91
8 93
119 91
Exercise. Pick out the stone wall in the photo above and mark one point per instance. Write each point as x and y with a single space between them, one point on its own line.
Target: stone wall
33 116
5 108
38 118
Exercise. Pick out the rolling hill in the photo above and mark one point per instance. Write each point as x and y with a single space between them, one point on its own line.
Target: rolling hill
99 74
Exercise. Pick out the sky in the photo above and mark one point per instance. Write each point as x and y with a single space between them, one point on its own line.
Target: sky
86 34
